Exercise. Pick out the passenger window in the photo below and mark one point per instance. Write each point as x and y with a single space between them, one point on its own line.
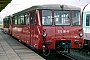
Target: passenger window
22 22
88 20
15 20
19 22
8 20
27 19
32 18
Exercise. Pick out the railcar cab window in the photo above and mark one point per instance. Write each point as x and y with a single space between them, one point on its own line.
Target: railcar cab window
46 17
62 17
75 18
88 20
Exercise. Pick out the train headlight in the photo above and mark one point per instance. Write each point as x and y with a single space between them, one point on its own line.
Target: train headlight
44 34
80 34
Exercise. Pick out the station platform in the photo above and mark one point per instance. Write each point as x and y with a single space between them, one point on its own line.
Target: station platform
11 49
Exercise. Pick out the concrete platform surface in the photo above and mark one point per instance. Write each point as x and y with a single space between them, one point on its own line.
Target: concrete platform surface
10 49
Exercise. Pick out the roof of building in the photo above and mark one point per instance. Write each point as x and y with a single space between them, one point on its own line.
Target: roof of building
4 3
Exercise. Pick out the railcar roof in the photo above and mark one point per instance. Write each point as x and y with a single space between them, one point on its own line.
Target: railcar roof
51 6
58 7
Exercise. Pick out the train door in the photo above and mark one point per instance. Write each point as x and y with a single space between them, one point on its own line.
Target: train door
32 27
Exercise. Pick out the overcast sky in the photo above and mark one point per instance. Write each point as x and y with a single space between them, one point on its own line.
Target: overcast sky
18 5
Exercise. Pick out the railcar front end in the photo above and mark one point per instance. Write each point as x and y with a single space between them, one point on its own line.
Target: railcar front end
61 30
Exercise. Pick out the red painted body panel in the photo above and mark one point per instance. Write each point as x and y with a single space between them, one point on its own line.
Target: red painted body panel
26 34
66 33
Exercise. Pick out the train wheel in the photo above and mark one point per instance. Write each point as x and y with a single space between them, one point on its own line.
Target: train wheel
45 51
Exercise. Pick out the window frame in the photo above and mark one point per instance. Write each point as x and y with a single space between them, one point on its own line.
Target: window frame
51 17
63 17
26 18
88 20
22 22
78 20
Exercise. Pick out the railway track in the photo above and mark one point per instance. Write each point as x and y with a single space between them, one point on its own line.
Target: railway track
68 56
85 50
56 57
78 54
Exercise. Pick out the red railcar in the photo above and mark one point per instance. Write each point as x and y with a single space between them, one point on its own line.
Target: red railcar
49 28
